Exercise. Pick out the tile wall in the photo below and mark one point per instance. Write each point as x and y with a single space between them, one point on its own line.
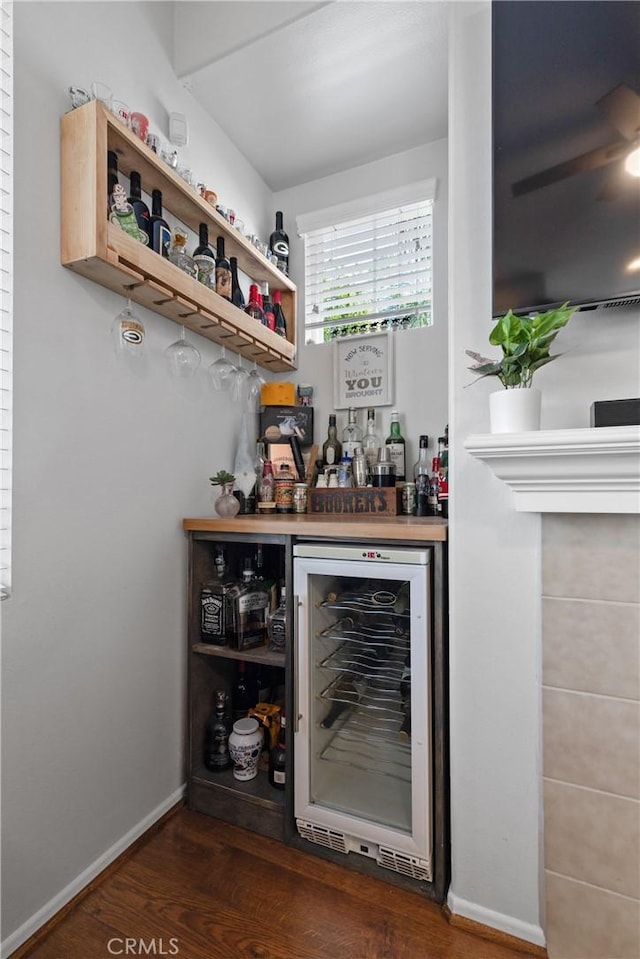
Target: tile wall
591 734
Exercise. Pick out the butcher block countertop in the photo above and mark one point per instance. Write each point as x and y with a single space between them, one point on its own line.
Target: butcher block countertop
418 529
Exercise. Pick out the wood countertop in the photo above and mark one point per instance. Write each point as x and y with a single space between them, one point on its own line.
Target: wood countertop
418 529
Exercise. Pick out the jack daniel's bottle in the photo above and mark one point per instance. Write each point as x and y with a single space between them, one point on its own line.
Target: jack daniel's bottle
214 605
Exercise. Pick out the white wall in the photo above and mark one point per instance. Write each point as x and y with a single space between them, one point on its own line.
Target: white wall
106 465
420 355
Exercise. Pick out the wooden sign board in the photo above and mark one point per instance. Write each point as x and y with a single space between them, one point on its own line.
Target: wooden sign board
361 501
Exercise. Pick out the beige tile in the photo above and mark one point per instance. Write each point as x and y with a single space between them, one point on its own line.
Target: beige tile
592 836
592 741
593 647
587 923
591 556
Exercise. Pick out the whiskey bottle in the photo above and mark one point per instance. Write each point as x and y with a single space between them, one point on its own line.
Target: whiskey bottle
371 442
277 624
332 447
216 741
278 757
249 602
396 446
214 605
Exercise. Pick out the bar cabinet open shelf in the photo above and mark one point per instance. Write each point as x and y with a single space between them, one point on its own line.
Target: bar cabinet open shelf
99 250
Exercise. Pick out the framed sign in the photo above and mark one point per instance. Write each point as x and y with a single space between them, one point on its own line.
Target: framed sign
363 371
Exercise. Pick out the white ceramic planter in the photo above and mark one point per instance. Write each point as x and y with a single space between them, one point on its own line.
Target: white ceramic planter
515 410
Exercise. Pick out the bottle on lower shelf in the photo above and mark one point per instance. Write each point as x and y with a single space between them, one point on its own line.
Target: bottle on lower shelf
278 758
216 745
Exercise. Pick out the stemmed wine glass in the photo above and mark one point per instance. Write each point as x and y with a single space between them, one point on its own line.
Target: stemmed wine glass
239 382
128 332
254 384
221 372
183 359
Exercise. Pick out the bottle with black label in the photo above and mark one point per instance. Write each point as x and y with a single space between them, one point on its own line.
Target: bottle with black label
237 296
277 624
140 208
159 232
396 446
214 605
281 322
421 474
279 244
216 740
204 257
267 309
223 271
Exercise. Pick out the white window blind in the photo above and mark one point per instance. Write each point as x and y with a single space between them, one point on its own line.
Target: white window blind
6 290
370 272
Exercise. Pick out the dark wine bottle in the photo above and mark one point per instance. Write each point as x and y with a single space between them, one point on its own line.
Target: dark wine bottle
253 307
281 323
267 309
159 232
216 740
278 757
112 175
237 296
223 271
204 257
140 208
279 244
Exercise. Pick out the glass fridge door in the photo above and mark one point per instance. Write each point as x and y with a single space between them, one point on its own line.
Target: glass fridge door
362 748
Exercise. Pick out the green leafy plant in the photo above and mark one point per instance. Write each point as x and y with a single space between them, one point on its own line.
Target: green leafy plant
222 478
525 342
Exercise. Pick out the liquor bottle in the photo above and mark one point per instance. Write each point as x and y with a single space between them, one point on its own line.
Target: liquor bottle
112 176
179 257
214 605
204 257
140 208
281 323
396 446
253 306
279 244
351 435
159 232
237 296
267 309
216 740
345 478
223 271
278 757
267 581
242 698
371 442
434 483
266 493
421 474
332 447
249 603
277 624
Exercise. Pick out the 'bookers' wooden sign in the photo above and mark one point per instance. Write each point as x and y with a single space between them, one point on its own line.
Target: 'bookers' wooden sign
368 501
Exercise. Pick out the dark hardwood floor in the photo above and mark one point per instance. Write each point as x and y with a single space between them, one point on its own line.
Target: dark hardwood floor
201 889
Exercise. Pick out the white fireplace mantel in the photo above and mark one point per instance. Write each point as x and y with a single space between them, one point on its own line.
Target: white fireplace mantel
566 471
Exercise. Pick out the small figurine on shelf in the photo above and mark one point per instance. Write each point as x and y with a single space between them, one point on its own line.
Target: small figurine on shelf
123 215
305 394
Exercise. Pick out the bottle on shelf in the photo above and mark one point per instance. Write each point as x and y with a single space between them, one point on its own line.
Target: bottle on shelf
268 582
216 740
332 447
371 442
266 491
433 502
179 257
351 434
280 320
345 478
284 483
249 603
112 176
421 474
396 447
267 309
279 244
278 757
223 271
140 208
159 232
214 604
253 307
277 624
237 296
244 696
204 258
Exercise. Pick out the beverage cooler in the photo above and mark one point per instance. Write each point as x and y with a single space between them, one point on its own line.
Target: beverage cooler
362 712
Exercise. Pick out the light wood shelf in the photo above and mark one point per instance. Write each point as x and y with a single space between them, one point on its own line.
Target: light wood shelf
97 249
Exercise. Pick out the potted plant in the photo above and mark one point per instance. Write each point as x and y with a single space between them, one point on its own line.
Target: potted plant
226 505
525 343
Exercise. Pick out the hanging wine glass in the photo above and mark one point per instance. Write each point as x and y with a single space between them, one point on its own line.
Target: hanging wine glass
239 382
221 372
254 384
128 332
183 359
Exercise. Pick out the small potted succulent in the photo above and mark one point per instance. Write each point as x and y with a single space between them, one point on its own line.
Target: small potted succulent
525 343
226 505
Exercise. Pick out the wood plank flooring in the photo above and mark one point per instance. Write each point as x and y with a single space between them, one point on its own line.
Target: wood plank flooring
201 889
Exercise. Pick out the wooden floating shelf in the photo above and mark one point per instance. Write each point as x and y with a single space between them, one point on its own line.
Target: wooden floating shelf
97 249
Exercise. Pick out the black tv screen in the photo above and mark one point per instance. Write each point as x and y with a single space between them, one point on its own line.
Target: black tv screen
566 115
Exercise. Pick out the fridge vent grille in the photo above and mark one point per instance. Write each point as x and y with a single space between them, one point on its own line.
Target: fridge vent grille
322 836
407 865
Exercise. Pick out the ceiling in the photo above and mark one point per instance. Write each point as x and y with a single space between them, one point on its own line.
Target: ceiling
308 89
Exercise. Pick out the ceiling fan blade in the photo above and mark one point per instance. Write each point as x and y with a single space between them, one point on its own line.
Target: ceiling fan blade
612 184
621 106
586 161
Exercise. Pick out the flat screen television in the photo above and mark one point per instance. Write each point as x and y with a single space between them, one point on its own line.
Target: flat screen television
566 114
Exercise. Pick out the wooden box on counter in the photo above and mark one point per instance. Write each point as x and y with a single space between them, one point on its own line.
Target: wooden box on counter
365 501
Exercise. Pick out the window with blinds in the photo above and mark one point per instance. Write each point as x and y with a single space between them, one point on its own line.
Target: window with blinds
369 273
6 290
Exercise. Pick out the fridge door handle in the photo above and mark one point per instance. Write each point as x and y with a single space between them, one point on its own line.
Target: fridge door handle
296 671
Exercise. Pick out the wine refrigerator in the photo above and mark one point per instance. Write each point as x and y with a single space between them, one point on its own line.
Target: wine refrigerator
362 712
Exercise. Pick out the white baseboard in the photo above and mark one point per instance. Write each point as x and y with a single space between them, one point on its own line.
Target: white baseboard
54 905
496 920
